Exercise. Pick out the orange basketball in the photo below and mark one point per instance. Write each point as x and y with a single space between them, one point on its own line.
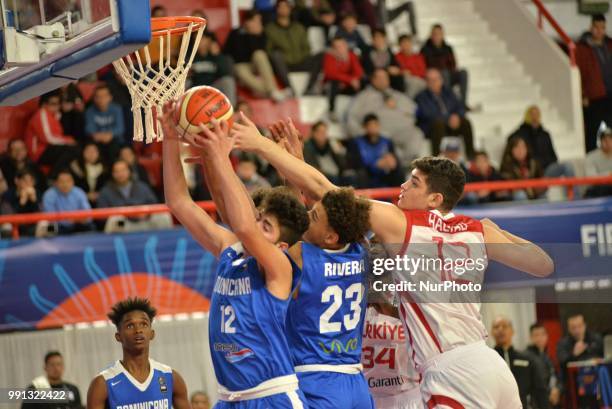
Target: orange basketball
199 105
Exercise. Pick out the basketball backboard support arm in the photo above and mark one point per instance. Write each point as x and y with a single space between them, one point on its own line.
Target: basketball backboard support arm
126 29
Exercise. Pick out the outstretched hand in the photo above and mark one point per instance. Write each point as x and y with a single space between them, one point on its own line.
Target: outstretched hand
167 120
286 135
246 134
211 142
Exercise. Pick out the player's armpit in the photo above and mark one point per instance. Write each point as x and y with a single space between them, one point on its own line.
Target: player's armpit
388 222
295 252
516 252
180 399
97 393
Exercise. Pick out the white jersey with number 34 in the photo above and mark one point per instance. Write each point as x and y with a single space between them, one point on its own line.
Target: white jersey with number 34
384 355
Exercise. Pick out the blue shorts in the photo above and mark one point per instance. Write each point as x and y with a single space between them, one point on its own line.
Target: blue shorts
333 390
288 400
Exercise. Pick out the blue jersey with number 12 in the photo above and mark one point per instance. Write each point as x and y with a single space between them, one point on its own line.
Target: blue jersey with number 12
246 327
325 321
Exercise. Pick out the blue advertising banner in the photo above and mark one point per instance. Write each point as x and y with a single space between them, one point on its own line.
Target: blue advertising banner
50 282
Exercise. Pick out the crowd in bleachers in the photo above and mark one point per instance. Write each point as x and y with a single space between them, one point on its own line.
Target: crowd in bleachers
78 154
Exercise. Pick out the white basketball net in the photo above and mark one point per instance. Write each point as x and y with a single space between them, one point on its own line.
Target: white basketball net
151 85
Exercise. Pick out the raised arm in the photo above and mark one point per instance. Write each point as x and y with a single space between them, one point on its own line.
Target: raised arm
204 230
308 179
516 252
241 218
387 220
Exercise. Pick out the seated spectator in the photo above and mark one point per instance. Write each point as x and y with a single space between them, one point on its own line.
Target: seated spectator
288 47
348 31
438 54
396 113
89 172
538 349
121 96
15 160
599 163
441 114
594 60
104 123
481 170
64 196
53 379
539 141
211 67
323 155
579 344
376 154
265 8
123 190
518 164
247 172
527 372
315 13
412 65
364 9
247 45
73 118
342 70
379 55
450 148
138 171
199 400
44 135
23 198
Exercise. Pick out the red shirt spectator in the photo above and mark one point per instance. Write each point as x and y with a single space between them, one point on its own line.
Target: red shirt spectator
410 61
45 129
342 67
596 82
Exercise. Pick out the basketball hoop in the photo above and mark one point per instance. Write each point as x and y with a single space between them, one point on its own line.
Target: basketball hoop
153 83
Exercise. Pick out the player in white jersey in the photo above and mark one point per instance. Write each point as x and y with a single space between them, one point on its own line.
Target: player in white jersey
446 339
391 376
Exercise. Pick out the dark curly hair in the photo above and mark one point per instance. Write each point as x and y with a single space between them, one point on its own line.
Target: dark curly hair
347 214
290 213
443 176
119 310
259 195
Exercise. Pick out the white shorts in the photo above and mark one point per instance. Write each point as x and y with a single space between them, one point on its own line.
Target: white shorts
410 399
472 376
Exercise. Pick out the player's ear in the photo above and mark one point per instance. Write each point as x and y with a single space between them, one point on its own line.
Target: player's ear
435 200
332 237
282 245
117 336
152 334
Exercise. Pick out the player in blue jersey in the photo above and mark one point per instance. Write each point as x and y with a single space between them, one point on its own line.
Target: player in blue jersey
136 381
254 279
325 319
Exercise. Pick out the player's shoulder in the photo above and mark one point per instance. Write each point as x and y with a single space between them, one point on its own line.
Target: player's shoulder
159 366
111 371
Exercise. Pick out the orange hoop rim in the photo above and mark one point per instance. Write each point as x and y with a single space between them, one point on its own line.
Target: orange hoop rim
161 26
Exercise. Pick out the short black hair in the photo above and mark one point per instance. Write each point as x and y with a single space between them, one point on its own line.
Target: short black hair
380 31
121 161
337 37
247 157
368 118
13 141
317 124
574 315
290 213
347 214
251 14
24 172
101 87
44 98
64 171
279 2
51 354
405 37
443 176
437 25
596 18
120 309
348 15
536 325
157 8
210 35
480 153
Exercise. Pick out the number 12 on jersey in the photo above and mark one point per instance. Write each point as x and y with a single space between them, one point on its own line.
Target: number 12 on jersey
227 319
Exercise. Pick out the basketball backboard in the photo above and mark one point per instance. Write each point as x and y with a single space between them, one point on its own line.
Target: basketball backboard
45 44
